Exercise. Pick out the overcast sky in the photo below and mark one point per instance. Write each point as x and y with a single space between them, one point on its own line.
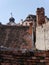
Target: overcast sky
20 9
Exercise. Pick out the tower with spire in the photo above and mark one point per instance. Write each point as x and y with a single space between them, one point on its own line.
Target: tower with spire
11 20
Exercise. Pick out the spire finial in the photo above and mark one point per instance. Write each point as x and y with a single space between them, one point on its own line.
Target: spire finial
11 14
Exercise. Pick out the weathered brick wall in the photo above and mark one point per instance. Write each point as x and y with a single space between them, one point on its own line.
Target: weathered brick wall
15 36
29 58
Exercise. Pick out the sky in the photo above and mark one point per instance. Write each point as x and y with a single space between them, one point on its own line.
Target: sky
21 9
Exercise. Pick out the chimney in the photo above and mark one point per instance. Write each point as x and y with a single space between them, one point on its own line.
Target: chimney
30 28
32 32
40 16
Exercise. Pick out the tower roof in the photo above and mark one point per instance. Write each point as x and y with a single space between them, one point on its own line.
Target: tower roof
11 19
30 17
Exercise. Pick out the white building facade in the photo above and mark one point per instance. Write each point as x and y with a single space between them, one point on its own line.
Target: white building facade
42 37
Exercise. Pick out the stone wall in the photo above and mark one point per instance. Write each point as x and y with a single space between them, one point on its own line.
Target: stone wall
28 58
16 36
